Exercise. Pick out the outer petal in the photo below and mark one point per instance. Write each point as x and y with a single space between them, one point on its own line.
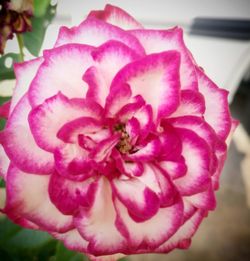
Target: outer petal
89 223
4 163
141 201
72 162
62 71
155 41
47 119
116 16
95 32
153 232
191 103
25 72
196 153
155 78
72 240
217 110
74 194
27 197
20 145
204 200
182 238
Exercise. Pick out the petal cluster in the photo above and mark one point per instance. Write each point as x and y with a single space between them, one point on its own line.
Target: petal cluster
115 139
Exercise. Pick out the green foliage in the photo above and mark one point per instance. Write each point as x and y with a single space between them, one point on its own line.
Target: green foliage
63 254
33 40
7 73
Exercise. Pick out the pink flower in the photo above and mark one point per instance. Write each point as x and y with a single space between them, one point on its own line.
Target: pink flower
115 139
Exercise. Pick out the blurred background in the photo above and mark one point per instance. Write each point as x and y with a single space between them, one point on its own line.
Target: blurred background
218 34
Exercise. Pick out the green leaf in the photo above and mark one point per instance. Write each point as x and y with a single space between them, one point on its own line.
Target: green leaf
40 7
28 239
7 230
63 254
2 183
33 40
7 73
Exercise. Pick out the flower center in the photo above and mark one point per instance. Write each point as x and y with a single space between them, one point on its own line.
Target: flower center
124 145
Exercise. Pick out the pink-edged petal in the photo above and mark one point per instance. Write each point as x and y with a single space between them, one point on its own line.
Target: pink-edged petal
117 99
175 169
5 109
145 118
217 111
101 218
24 72
133 130
158 180
62 71
104 148
95 32
203 200
171 146
234 125
72 162
198 125
150 233
191 103
154 77
221 157
4 162
46 119
116 16
130 169
182 238
20 145
155 41
27 197
84 125
197 154
147 152
72 240
130 109
141 201
74 194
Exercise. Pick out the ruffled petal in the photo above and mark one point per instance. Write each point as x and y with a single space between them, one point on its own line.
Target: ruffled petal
191 103
150 233
155 41
72 240
95 32
27 197
74 194
141 201
89 223
24 72
4 162
197 154
217 111
20 145
182 238
62 71
46 119
116 16
154 77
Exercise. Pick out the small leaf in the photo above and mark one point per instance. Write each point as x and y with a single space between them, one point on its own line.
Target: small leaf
6 66
63 254
40 7
33 40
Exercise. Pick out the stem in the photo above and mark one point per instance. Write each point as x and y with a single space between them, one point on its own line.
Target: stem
20 44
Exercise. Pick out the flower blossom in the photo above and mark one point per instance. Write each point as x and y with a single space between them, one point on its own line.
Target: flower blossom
115 139
15 17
